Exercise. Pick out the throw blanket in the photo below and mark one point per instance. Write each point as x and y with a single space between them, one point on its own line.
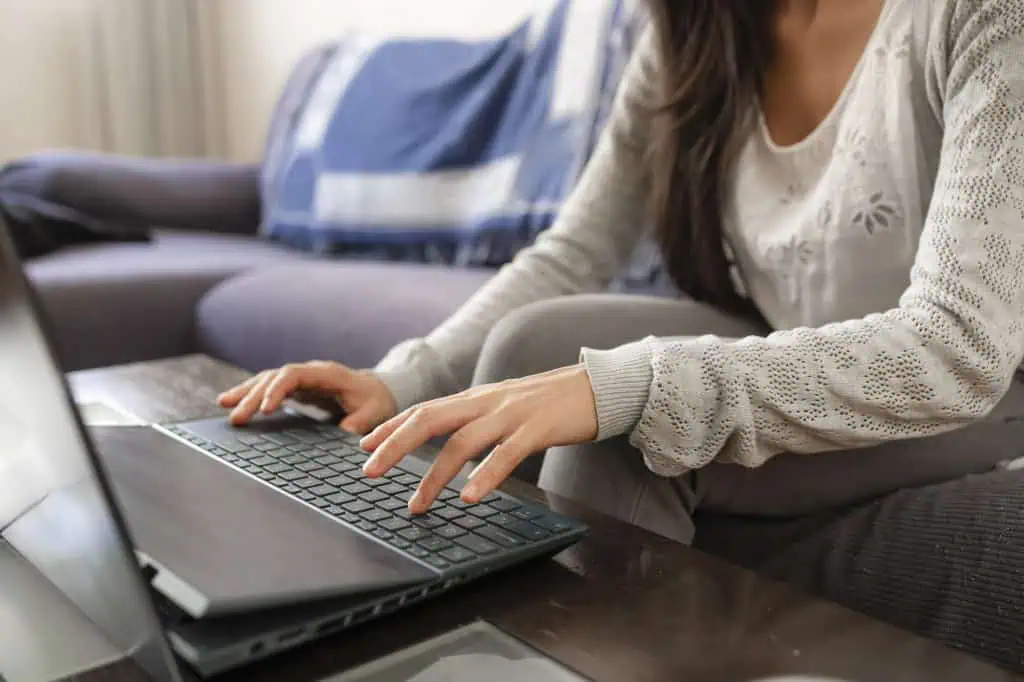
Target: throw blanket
458 152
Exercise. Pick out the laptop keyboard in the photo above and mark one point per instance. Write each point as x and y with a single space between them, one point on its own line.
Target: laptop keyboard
322 466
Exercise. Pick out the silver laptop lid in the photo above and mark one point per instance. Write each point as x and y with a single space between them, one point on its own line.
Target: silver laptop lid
56 505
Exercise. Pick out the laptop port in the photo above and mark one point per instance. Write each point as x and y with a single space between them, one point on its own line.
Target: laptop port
391 604
291 635
256 649
332 625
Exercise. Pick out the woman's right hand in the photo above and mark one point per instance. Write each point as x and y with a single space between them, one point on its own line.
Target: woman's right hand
367 402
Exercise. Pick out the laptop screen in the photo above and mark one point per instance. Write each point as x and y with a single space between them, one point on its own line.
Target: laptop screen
55 507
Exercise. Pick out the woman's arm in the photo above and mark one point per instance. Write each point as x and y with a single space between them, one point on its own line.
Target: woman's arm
941 359
596 231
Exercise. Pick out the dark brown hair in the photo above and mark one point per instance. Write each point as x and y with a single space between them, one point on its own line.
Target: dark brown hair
712 54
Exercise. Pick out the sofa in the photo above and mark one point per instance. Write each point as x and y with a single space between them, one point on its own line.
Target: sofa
207 279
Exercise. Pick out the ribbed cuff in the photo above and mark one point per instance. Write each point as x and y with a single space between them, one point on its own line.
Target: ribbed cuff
621 380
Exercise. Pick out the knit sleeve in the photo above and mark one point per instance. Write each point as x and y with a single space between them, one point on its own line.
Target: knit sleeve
941 359
597 230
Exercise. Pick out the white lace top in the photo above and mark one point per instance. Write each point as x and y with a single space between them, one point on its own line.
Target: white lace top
888 247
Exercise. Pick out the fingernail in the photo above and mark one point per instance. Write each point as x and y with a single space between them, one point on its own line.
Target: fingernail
472 490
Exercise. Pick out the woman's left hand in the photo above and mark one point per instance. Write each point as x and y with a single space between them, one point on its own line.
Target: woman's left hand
518 418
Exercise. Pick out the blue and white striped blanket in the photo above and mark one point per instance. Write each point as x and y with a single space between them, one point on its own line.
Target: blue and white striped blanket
449 151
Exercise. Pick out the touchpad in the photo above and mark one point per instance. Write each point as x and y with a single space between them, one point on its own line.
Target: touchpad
225 542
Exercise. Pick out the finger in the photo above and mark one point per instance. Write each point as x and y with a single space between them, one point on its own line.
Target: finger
436 419
362 420
251 402
466 443
372 441
232 396
283 385
499 465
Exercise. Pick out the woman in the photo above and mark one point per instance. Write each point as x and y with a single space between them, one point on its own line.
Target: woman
847 172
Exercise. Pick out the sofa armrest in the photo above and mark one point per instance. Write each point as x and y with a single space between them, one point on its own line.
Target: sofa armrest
144 193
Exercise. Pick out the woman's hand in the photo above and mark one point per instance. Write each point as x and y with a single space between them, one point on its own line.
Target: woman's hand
518 418
366 400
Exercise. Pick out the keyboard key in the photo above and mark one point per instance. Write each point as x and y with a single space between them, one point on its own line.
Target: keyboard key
292 459
504 504
339 498
357 506
335 510
277 467
477 544
393 489
323 490
553 523
368 526
327 460
414 533
394 523
292 475
407 479
251 468
429 521
528 530
458 555
357 459
470 522
459 504
449 513
400 543
447 494
323 473
249 440
391 504
321 503
355 488
263 460
305 496
449 532
501 537
481 510
307 482
418 551
382 534
375 515
526 513
281 438
501 519
374 496
308 465
436 562
433 543
278 482
266 475
291 489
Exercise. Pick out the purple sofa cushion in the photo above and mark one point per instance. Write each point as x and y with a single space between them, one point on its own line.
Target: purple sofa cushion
114 303
345 311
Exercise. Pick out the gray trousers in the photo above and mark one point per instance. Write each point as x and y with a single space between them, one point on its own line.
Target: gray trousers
898 530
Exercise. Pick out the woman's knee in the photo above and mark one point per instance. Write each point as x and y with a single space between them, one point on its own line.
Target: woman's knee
546 335
535 338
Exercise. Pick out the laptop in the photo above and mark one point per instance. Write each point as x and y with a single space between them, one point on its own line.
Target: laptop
248 541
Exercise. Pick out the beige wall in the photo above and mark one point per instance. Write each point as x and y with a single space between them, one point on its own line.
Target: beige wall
44 76
251 46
